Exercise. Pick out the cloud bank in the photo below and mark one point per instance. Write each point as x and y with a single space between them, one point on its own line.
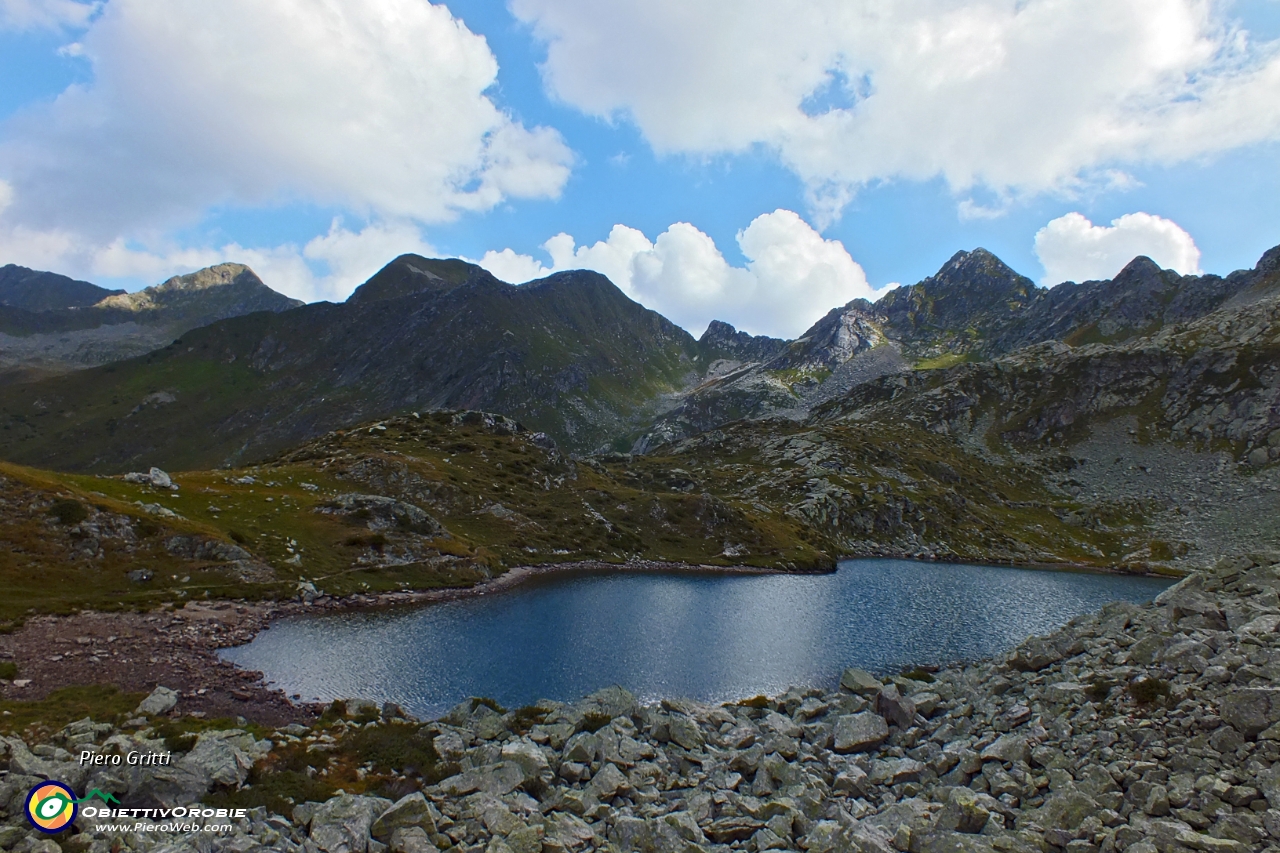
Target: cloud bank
792 276
44 14
1071 248
377 107
1014 96
327 267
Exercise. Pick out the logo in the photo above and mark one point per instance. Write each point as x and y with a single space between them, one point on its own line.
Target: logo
51 807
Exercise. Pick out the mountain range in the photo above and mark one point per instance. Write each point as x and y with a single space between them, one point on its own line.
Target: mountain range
51 324
1128 422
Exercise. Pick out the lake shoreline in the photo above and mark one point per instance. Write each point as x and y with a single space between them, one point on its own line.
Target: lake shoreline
179 647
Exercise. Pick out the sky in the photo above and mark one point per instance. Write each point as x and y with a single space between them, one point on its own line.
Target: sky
755 161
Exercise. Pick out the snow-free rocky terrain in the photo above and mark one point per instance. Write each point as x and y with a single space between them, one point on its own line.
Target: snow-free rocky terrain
1138 729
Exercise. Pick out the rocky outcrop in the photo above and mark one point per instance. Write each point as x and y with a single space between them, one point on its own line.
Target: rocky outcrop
1136 729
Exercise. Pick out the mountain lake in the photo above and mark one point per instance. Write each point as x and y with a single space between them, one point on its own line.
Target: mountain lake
707 637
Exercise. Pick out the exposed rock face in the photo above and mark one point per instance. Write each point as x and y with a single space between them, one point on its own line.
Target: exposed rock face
1151 728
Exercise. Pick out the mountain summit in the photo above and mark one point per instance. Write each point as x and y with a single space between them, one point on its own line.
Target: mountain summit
53 324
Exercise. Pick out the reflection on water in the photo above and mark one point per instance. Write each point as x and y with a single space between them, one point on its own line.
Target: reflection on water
704 637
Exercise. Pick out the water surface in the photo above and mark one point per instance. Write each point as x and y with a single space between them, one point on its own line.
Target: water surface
707 637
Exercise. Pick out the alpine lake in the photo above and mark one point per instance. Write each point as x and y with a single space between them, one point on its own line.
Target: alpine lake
708 637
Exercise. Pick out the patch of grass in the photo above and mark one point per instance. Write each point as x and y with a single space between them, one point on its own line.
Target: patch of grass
595 720
1148 691
397 748
491 704
1098 690
68 511
524 719
376 541
102 702
919 673
8 670
758 702
944 361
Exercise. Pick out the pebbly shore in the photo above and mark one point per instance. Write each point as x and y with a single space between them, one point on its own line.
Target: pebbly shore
1142 729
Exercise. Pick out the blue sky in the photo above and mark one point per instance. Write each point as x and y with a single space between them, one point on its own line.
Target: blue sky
767 161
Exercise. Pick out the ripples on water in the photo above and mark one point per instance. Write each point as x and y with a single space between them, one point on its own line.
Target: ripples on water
705 637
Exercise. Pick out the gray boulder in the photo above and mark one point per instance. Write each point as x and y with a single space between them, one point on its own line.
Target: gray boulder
341 824
411 810
895 707
860 681
859 732
161 701
1251 710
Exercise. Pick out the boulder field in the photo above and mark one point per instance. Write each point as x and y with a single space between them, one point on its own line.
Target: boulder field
1144 729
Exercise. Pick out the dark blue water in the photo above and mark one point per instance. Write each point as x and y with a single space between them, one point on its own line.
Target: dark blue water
712 638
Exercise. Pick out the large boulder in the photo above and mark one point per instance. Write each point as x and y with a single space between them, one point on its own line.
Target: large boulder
225 758
895 707
1250 710
496 779
410 810
609 703
161 701
860 681
965 811
859 732
341 824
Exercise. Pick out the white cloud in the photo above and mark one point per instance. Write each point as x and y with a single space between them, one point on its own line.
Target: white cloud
1071 248
376 106
44 14
329 266
792 276
1015 96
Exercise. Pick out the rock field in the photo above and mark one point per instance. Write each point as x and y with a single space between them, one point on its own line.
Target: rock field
1137 729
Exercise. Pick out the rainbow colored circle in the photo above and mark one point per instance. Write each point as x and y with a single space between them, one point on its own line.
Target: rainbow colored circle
51 807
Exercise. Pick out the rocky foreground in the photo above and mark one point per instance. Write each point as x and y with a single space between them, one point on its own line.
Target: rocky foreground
1138 729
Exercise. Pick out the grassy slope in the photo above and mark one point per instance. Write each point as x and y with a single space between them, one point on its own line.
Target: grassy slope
768 495
572 357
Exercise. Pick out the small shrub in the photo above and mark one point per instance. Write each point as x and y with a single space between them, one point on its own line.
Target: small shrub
376 541
8 670
1148 691
238 537
919 673
1161 551
146 528
595 721
400 748
526 718
336 711
68 511
1099 690
757 702
491 704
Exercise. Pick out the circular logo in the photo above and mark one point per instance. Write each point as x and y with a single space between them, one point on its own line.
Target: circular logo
51 806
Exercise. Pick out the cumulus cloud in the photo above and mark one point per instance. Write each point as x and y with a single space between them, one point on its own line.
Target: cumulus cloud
329 266
44 14
376 106
792 277
1016 96
1071 248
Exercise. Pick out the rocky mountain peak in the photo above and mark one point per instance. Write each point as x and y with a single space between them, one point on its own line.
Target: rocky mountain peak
413 274
218 275
1269 262
227 289
722 340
